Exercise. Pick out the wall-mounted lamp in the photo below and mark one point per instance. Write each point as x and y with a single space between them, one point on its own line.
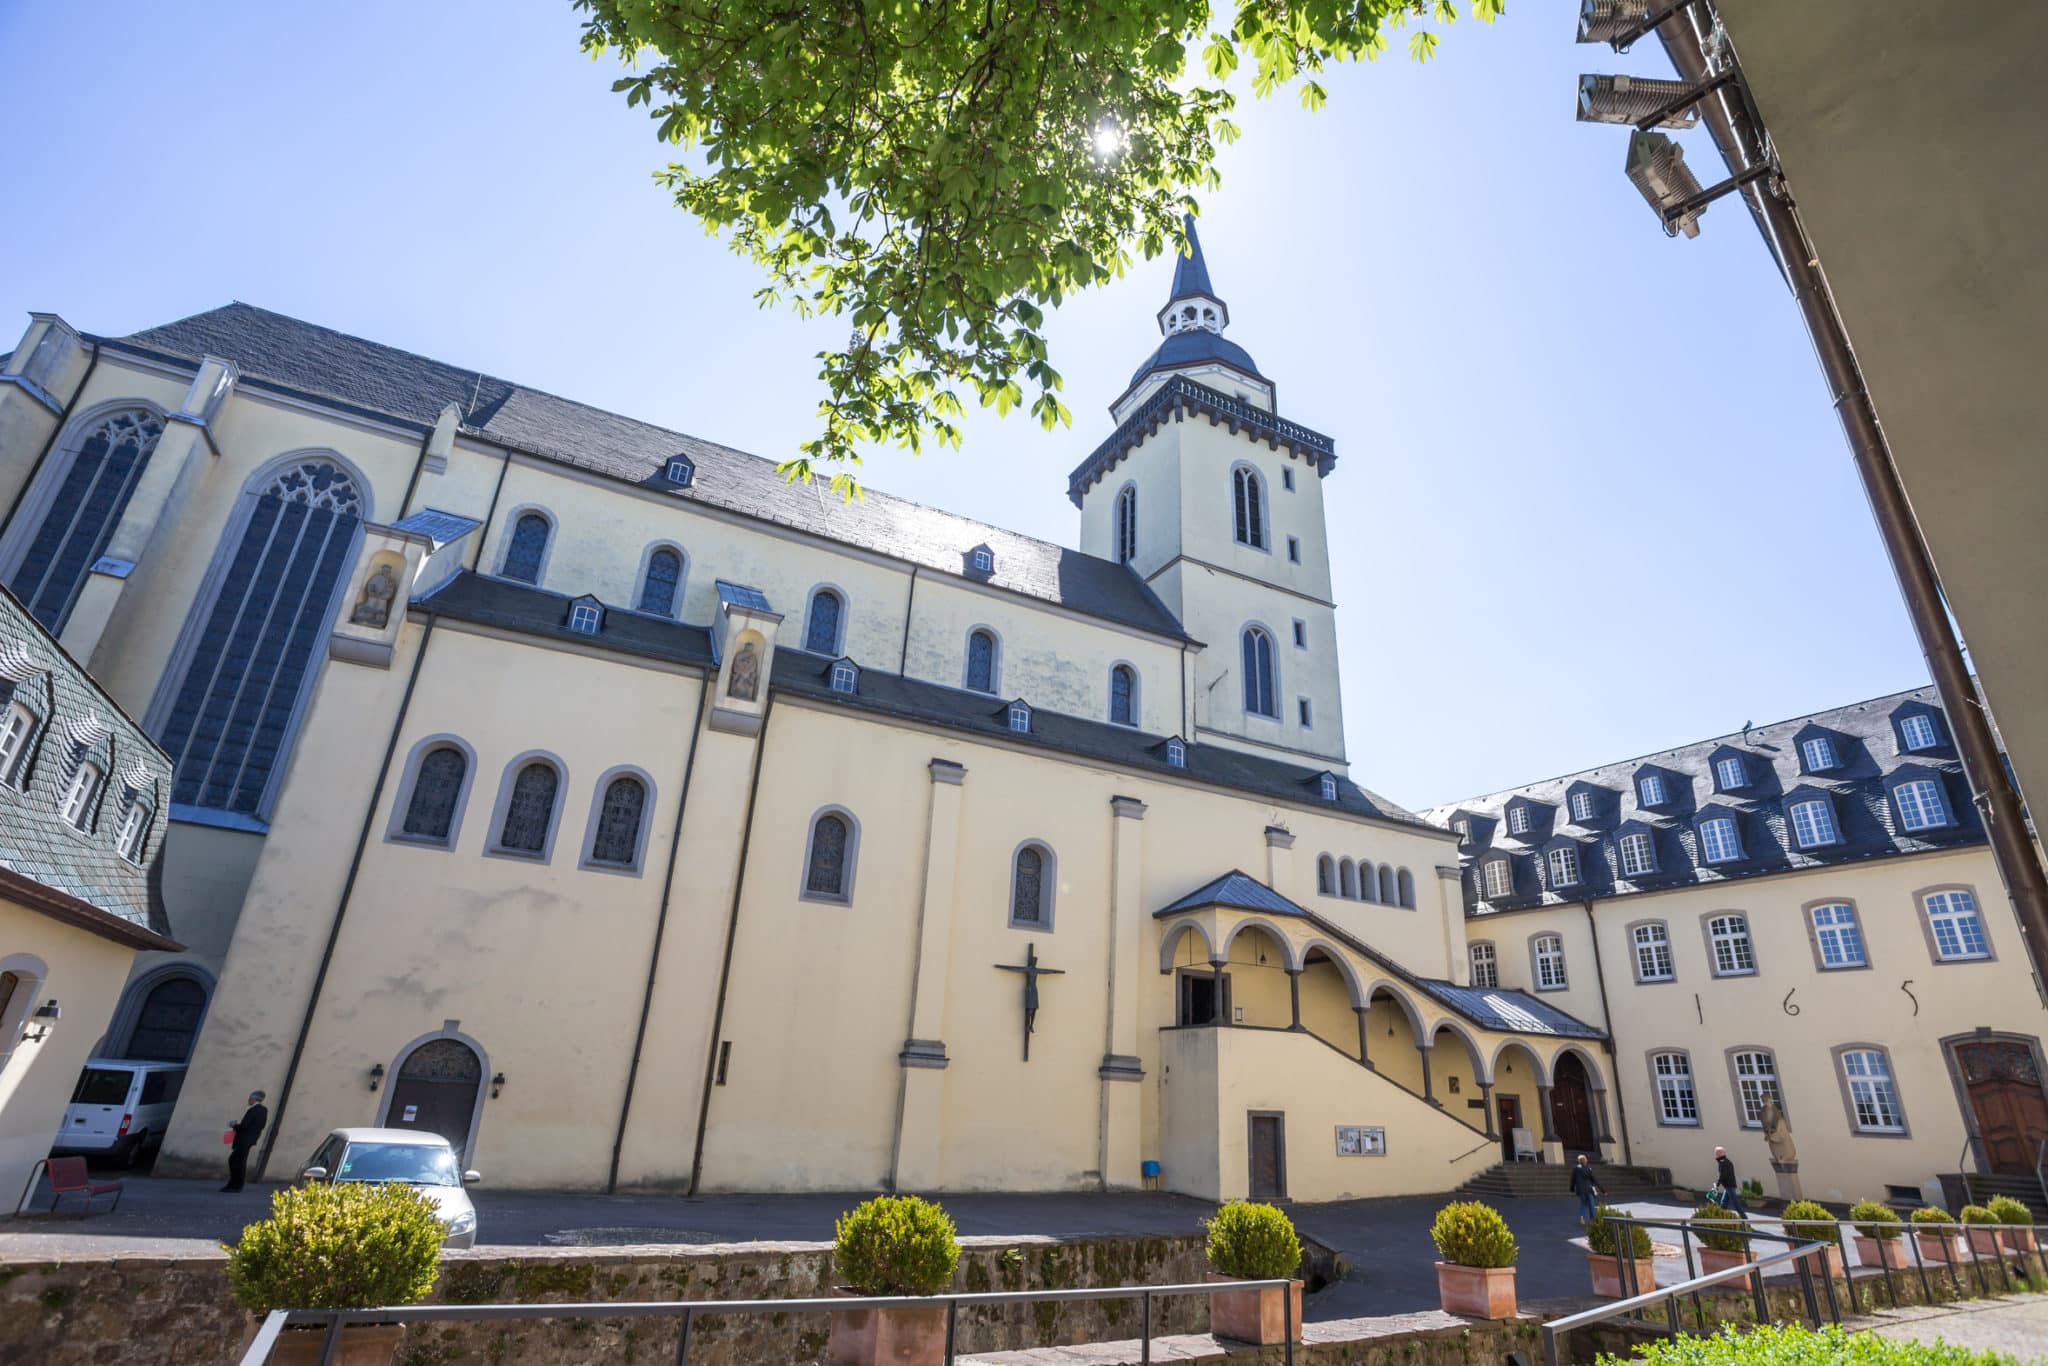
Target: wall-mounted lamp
497 1084
376 1075
1507 1067
39 1023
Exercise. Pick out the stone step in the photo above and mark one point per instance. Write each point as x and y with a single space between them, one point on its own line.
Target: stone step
1540 1181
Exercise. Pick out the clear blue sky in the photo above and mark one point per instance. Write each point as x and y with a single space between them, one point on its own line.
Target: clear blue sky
1591 500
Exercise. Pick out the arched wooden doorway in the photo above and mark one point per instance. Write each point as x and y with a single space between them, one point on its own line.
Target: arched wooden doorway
167 1022
2002 1081
1571 1106
438 1087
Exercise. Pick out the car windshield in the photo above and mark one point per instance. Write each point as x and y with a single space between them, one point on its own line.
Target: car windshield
417 1164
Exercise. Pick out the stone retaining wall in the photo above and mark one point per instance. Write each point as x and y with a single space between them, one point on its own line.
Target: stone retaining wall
146 1311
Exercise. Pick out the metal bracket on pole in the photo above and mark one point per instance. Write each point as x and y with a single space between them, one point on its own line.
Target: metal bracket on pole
1687 100
1693 203
1622 42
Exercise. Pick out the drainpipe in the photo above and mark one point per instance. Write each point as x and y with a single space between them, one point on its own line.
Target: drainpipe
1736 130
63 418
1607 1018
909 601
348 886
490 513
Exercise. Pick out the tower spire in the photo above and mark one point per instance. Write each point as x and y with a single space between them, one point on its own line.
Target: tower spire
1193 305
1191 272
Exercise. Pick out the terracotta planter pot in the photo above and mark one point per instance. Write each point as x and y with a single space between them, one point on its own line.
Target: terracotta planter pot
1253 1315
1836 1268
1713 1259
887 1337
1939 1248
1984 1241
2018 1239
1477 1292
362 1344
1889 1252
1607 1276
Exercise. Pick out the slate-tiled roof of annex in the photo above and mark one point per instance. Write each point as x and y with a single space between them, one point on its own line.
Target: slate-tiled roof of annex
301 358
36 842
489 601
1501 1009
1869 758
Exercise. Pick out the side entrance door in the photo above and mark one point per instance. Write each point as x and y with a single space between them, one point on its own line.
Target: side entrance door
2004 1087
1510 1109
1268 1155
1571 1107
436 1091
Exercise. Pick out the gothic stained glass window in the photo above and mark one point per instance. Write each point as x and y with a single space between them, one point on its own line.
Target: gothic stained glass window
658 588
1123 688
618 822
253 655
88 505
430 812
1249 522
529 544
1258 674
448 1060
826 875
168 1022
981 662
531 809
1127 525
1027 888
822 636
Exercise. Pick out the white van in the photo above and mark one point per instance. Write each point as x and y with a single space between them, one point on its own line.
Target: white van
119 1109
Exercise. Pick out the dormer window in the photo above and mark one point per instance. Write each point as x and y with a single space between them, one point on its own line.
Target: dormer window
1650 789
680 471
1327 784
1463 829
1582 806
982 560
1917 732
845 676
1500 879
585 618
1818 754
1020 718
1564 866
1719 841
1638 855
1920 804
1731 774
1813 823
1177 753
1518 820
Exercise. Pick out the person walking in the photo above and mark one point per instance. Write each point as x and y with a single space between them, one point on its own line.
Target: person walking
1587 1189
1728 1193
242 1136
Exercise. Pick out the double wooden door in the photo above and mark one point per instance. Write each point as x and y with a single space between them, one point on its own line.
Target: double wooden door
2003 1082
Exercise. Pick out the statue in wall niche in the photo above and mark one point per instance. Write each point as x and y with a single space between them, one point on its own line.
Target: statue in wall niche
746 674
374 607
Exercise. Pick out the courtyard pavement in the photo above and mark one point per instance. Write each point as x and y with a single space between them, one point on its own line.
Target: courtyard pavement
2019 1327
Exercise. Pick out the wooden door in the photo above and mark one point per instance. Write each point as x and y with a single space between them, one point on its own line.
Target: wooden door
436 1091
2004 1086
1268 1156
1571 1107
1510 1109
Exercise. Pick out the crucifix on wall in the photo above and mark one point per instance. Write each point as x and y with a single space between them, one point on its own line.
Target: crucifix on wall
1032 972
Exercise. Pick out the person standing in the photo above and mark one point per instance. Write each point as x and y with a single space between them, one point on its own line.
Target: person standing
243 1135
1724 1178
1587 1189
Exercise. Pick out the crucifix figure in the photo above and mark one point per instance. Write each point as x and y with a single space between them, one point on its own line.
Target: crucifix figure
1032 972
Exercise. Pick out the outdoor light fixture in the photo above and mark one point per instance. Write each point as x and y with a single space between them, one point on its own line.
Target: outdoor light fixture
1635 99
39 1023
497 1084
376 1075
1604 21
1656 165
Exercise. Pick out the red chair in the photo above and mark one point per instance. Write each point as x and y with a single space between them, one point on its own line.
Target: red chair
67 1177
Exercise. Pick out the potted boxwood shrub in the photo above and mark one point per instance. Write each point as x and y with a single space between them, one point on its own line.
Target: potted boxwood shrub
344 1245
1877 1235
1984 1239
1720 1231
1937 1244
892 1245
1249 1242
1808 1219
2010 1212
1601 1240
1477 1274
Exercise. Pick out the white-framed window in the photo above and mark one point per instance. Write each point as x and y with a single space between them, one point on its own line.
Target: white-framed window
1020 718
1564 866
1818 753
1730 773
1718 841
134 836
1813 823
1838 936
845 677
1650 789
1957 928
1734 954
983 560
1328 784
681 471
1485 965
1653 952
1462 828
1518 820
1920 803
1917 731
1873 1099
585 618
1582 806
76 807
1677 1102
17 724
1756 1085
1550 975
1177 753
1500 878
1638 855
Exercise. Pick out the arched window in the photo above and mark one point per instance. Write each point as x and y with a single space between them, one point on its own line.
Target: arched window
107 463
981 661
617 841
137 815
1326 875
248 663
1368 881
1248 499
168 1022
1390 891
822 635
1500 879
1347 879
81 796
828 864
1031 888
436 788
1406 889
1123 695
530 810
528 547
1127 524
17 725
662 581
1260 696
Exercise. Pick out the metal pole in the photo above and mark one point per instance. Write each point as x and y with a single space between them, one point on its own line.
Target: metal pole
1827 1283
1145 1328
331 1343
1920 1264
1756 1290
1699 1310
1287 1320
952 1328
1671 1328
1806 1285
683 1339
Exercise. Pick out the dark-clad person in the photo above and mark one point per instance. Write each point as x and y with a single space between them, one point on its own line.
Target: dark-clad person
246 1131
1724 1177
1587 1189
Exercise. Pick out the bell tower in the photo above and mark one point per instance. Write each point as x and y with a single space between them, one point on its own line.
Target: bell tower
1212 498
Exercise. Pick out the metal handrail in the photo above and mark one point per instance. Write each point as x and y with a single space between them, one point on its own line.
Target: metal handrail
1969 1152
1669 1295
335 1320
2041 1160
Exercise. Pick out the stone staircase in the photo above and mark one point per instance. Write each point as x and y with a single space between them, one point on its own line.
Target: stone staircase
1550 1181
1981 1189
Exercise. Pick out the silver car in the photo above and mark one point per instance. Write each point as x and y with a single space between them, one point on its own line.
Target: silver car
411 1157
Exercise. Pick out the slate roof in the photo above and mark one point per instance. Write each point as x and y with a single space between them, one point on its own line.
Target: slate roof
76 876
438 526
743 595
1194 348
1870 759
287 355
1191 272
1238 890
